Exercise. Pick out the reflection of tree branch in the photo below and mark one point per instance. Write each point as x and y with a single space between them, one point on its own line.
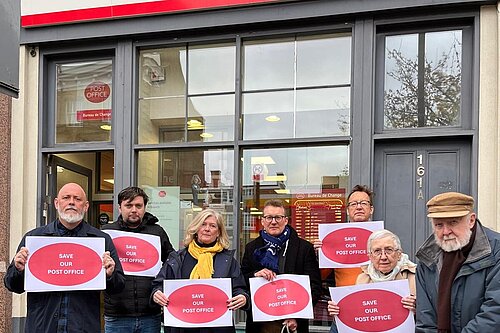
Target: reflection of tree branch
442 86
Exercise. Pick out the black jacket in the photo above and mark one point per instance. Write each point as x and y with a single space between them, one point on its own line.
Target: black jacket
300 258
133 301
83 306
225 266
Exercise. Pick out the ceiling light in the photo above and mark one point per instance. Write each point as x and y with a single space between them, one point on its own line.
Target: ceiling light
111 181
206 135
194 122
282 191
273 118
106 127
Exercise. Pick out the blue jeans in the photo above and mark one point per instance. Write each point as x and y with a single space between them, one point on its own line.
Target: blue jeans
144 324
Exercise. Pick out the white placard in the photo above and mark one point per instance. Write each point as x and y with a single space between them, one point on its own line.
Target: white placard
344 244
198 303
140 254
64 263
373 307
287 296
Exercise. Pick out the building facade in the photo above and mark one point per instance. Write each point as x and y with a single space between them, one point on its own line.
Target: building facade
226 104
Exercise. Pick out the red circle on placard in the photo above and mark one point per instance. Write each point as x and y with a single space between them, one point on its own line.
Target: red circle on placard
136 254
368 310
341 247
273 300
162 194
198 303
51 264
97 92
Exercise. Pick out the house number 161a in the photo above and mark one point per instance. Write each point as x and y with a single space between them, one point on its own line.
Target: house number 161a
420 174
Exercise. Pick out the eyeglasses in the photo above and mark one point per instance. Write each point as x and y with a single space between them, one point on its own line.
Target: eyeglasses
277 218
388 251
363 203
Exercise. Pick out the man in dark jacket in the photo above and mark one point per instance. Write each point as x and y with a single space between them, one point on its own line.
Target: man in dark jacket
279 250
458 276
66 311
130 310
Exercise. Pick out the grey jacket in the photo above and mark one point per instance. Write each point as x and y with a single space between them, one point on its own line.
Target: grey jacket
475 303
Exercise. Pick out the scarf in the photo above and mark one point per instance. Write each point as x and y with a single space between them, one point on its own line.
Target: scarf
267 255
452 262
205 256
378 276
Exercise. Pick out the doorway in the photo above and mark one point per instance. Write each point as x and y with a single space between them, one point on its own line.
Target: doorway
407 174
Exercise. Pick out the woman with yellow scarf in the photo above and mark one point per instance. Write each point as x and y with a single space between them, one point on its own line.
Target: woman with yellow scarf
206 255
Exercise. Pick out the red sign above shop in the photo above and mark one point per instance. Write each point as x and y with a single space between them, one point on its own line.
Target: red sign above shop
49 12
88 115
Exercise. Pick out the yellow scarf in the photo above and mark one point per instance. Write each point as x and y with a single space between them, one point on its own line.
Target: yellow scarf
205 256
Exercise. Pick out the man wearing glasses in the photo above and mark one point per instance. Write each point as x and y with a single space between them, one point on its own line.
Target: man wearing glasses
279 250
359 209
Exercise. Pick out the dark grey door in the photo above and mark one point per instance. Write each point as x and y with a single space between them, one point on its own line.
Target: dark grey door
407 174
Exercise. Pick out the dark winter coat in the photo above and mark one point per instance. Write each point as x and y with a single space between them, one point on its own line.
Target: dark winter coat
225 266
83 306
475 292
133 301
298 257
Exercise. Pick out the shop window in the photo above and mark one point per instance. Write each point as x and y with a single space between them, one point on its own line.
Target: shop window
297 87
182 183
106 171
423 75
312 182
188 91
84 101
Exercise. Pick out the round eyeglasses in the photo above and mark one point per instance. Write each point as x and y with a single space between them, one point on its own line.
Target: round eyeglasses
388 251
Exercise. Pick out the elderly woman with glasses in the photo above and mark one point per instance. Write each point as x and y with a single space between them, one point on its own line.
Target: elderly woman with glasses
387 263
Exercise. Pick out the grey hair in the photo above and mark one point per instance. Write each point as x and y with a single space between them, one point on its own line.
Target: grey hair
383 234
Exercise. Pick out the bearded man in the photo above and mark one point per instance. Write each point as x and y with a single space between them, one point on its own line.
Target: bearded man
66 311
458 276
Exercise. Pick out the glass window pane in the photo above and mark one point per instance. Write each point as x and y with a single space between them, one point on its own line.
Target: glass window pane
443 80
268 64
181 183
84 101
162 72
211 69
401 81
423 80
312 182
323 112
268 115
211 118
161 120
316 69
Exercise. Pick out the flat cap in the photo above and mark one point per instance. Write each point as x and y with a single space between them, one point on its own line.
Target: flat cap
450 204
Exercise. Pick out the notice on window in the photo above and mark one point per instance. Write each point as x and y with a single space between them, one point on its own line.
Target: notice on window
140 254
197 303
64 263
164 203
344 244
373 307
287 296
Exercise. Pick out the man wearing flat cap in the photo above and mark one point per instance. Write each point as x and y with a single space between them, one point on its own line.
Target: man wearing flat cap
458 276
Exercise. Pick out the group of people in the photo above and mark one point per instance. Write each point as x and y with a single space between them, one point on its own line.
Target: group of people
454 288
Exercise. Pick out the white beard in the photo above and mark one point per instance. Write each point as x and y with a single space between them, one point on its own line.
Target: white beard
71 218
455 244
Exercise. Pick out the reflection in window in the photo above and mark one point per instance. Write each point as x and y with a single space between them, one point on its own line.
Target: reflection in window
183 182
84 101
187 94
292 90
312 182
422 86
